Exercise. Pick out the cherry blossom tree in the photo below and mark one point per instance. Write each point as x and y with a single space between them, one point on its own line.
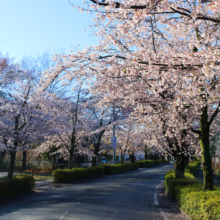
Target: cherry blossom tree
150 53
147 44
131 140
100 117
104 116
70 131
21 121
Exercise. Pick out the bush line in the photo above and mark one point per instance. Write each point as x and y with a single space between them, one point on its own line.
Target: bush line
76 174
151 163
17 184
198 203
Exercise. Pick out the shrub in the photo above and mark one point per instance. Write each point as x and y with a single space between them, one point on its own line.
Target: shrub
28 182
75 174
171 182
63 176
147 163
151 163
198 203
141 164
99 171
20 183
192 166
110 169
159 162
10 186
107 169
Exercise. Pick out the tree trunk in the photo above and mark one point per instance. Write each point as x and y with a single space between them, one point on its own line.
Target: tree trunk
2 155
163 158
145 156
96 151
97 146
122 158
132 158
186 160
180 166
70 164
206 157
13 150
12 163
94 159
24 160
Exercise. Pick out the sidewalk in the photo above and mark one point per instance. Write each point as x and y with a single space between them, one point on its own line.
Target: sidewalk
199 175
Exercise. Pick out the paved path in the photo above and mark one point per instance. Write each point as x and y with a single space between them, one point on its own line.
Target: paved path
199 175
129 196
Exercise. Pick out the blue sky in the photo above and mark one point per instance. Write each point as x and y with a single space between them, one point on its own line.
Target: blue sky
30 27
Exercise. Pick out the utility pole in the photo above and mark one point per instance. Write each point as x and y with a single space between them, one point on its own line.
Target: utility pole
113 139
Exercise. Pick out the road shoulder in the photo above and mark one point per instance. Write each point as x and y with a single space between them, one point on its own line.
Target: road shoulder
168 208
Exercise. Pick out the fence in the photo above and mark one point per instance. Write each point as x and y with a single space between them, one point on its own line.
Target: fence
43 164
37 164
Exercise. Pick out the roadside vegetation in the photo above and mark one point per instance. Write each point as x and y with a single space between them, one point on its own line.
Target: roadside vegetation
17 184
192 198
76 174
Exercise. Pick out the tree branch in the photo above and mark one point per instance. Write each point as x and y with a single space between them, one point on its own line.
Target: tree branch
180 12
118 5
214 115
195 131
208 19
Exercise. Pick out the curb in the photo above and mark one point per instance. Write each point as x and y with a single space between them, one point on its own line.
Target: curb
173 214
186 217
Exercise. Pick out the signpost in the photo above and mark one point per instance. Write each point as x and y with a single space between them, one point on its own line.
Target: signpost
114 144
113 139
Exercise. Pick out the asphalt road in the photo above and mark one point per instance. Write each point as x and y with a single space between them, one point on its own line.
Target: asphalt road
129 196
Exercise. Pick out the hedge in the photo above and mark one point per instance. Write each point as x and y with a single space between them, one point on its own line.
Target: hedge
198 203
75 174
171 182
110 169
151 163
192 166
17 184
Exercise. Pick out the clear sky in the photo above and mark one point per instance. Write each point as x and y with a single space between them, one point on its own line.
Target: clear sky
30 27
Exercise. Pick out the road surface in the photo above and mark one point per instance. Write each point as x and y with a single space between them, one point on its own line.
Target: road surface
127 196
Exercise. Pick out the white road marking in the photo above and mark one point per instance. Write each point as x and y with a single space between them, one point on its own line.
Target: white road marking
155 195
155 199
157 203
63 215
